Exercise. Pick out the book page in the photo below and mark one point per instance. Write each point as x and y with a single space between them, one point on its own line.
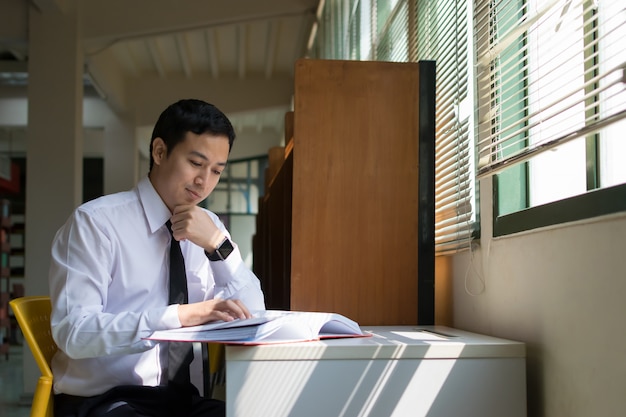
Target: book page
271 326
253 321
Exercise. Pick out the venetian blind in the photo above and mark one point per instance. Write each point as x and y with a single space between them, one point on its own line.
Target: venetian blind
442 36
548 72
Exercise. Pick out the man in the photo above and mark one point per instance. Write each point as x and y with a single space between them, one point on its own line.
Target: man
110 273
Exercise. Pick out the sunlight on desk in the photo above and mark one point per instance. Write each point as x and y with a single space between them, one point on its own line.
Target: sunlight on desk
396 372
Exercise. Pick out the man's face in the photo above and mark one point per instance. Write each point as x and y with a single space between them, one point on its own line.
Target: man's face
191 170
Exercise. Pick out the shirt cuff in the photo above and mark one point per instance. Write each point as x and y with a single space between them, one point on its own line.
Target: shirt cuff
166 318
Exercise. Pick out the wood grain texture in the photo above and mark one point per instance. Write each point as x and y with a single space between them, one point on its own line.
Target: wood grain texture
355 190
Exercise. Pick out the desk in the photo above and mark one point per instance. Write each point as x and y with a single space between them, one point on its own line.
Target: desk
399 371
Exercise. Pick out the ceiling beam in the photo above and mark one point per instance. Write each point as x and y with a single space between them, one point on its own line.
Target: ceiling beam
270 48
110 79
150 95
241 49
103 21
212 52
155 54
181 45
130 58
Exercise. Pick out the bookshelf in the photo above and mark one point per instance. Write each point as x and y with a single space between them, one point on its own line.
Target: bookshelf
5 276
347 222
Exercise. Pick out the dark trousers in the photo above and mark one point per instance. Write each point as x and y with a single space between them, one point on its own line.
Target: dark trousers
140 401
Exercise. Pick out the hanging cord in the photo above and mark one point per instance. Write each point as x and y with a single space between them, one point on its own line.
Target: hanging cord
472 266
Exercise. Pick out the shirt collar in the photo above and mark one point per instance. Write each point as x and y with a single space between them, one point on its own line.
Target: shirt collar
154 208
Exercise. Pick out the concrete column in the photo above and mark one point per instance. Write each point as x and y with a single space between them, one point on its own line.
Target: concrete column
53 139
120 155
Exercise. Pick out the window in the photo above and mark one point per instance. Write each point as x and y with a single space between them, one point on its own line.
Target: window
552 104
240 186
235 200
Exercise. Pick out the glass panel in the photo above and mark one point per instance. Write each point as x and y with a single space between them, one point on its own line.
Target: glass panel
235 198
239 188
365 33
242 229
383 9
512 184
393 43
559 173
613 55
612 154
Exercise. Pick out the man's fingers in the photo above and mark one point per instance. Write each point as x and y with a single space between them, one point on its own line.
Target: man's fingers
236 309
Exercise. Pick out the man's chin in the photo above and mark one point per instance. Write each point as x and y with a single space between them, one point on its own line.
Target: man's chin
193 198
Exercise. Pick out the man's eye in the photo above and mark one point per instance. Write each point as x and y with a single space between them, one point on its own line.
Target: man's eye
196 164
217 172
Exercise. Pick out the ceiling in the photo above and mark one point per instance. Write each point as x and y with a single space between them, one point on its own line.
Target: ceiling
141 55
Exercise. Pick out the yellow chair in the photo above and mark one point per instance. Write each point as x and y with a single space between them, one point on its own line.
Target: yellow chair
213 367
217 370
33 316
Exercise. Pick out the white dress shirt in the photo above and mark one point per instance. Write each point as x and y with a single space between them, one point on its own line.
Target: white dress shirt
109 279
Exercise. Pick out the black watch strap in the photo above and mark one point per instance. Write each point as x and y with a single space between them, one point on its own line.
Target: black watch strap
223 250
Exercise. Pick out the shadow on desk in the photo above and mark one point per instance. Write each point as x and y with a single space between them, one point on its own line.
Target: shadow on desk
399 371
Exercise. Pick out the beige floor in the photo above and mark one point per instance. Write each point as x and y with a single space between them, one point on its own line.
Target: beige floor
12 403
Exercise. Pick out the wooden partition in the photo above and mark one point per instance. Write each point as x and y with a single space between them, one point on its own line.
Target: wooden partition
343 212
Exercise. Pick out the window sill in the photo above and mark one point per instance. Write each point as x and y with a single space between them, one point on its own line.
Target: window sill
586 206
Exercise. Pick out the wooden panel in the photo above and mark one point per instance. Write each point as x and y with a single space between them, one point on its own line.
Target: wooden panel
276 158
288 126
279 238
355 190
260 244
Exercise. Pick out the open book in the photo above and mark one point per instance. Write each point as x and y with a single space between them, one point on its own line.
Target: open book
271 326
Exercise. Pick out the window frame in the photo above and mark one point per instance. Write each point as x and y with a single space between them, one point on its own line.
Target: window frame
595 202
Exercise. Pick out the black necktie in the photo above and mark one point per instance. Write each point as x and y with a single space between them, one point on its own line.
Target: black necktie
180 353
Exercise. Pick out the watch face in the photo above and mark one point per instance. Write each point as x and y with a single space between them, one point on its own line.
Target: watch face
225 248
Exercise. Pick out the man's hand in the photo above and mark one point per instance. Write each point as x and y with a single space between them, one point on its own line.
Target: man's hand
192 223
212 310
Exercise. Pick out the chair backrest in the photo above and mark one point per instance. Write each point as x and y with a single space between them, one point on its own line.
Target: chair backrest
33 316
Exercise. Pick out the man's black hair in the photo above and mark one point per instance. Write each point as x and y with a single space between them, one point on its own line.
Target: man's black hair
190 115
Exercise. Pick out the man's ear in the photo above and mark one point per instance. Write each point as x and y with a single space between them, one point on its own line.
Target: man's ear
159 150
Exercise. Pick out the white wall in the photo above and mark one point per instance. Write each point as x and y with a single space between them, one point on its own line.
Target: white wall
562 291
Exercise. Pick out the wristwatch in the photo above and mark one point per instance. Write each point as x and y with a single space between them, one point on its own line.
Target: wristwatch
223 250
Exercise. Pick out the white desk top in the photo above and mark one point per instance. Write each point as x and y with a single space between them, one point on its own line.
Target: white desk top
387 342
